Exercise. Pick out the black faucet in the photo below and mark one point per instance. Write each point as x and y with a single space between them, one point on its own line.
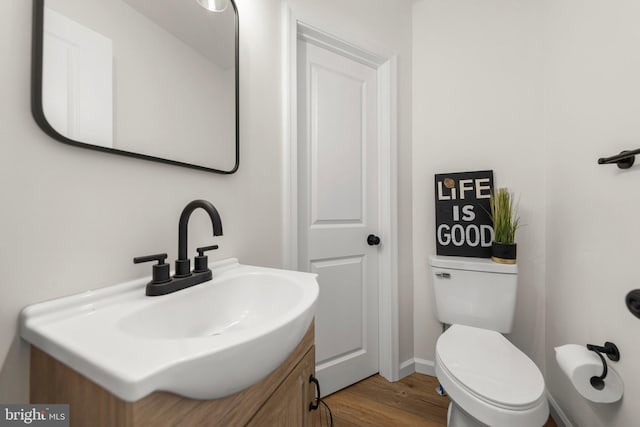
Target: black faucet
183 264
183 278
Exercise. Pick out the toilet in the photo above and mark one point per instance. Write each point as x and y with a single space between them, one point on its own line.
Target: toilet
489 380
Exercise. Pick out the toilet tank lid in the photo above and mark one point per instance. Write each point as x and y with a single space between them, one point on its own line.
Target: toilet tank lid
472 264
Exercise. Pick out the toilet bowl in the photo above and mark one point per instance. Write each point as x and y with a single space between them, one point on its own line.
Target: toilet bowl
490 381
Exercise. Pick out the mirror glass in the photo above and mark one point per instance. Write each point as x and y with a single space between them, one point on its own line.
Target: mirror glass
153 79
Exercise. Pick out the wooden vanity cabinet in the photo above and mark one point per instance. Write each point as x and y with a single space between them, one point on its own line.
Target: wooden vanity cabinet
280 399
295 393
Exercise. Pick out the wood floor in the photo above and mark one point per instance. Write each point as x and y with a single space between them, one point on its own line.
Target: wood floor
411 401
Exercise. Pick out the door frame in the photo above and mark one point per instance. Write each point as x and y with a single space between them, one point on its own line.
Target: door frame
386 66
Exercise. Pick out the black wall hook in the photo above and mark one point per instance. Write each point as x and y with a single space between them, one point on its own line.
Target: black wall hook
633 302
624 160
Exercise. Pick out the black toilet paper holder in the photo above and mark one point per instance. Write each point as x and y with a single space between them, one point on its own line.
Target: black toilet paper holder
612 352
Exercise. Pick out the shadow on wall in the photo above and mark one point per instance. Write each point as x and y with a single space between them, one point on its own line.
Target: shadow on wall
14 375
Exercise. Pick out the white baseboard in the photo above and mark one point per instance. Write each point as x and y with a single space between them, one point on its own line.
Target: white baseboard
557 413
424 366
407 368
421 366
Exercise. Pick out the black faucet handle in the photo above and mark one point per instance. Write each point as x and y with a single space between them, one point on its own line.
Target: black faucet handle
160 270
204 249
201 261
147 258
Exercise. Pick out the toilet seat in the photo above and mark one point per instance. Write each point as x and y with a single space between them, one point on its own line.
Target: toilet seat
490 378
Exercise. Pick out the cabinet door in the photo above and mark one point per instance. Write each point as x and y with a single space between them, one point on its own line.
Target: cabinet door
288 406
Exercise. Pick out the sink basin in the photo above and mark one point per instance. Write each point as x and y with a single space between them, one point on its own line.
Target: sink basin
205 342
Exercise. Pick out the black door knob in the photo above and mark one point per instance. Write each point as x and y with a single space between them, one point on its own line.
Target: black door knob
373 240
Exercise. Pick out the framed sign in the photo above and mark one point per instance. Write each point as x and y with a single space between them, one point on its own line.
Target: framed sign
463 222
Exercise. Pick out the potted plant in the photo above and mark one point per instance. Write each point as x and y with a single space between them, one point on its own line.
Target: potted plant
505 223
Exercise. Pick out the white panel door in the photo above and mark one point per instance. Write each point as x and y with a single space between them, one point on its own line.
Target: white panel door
338 209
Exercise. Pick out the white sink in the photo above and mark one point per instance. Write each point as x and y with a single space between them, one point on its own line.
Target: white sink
204 342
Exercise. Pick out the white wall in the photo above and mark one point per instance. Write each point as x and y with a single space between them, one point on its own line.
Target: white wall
592 69
477 105
73 219
383 27
553 85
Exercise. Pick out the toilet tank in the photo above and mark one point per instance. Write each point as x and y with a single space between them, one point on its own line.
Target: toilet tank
474 292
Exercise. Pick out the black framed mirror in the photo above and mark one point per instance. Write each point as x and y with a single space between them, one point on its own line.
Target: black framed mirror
150 79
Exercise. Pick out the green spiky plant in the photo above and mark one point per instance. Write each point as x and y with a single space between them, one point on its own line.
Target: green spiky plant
505 216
